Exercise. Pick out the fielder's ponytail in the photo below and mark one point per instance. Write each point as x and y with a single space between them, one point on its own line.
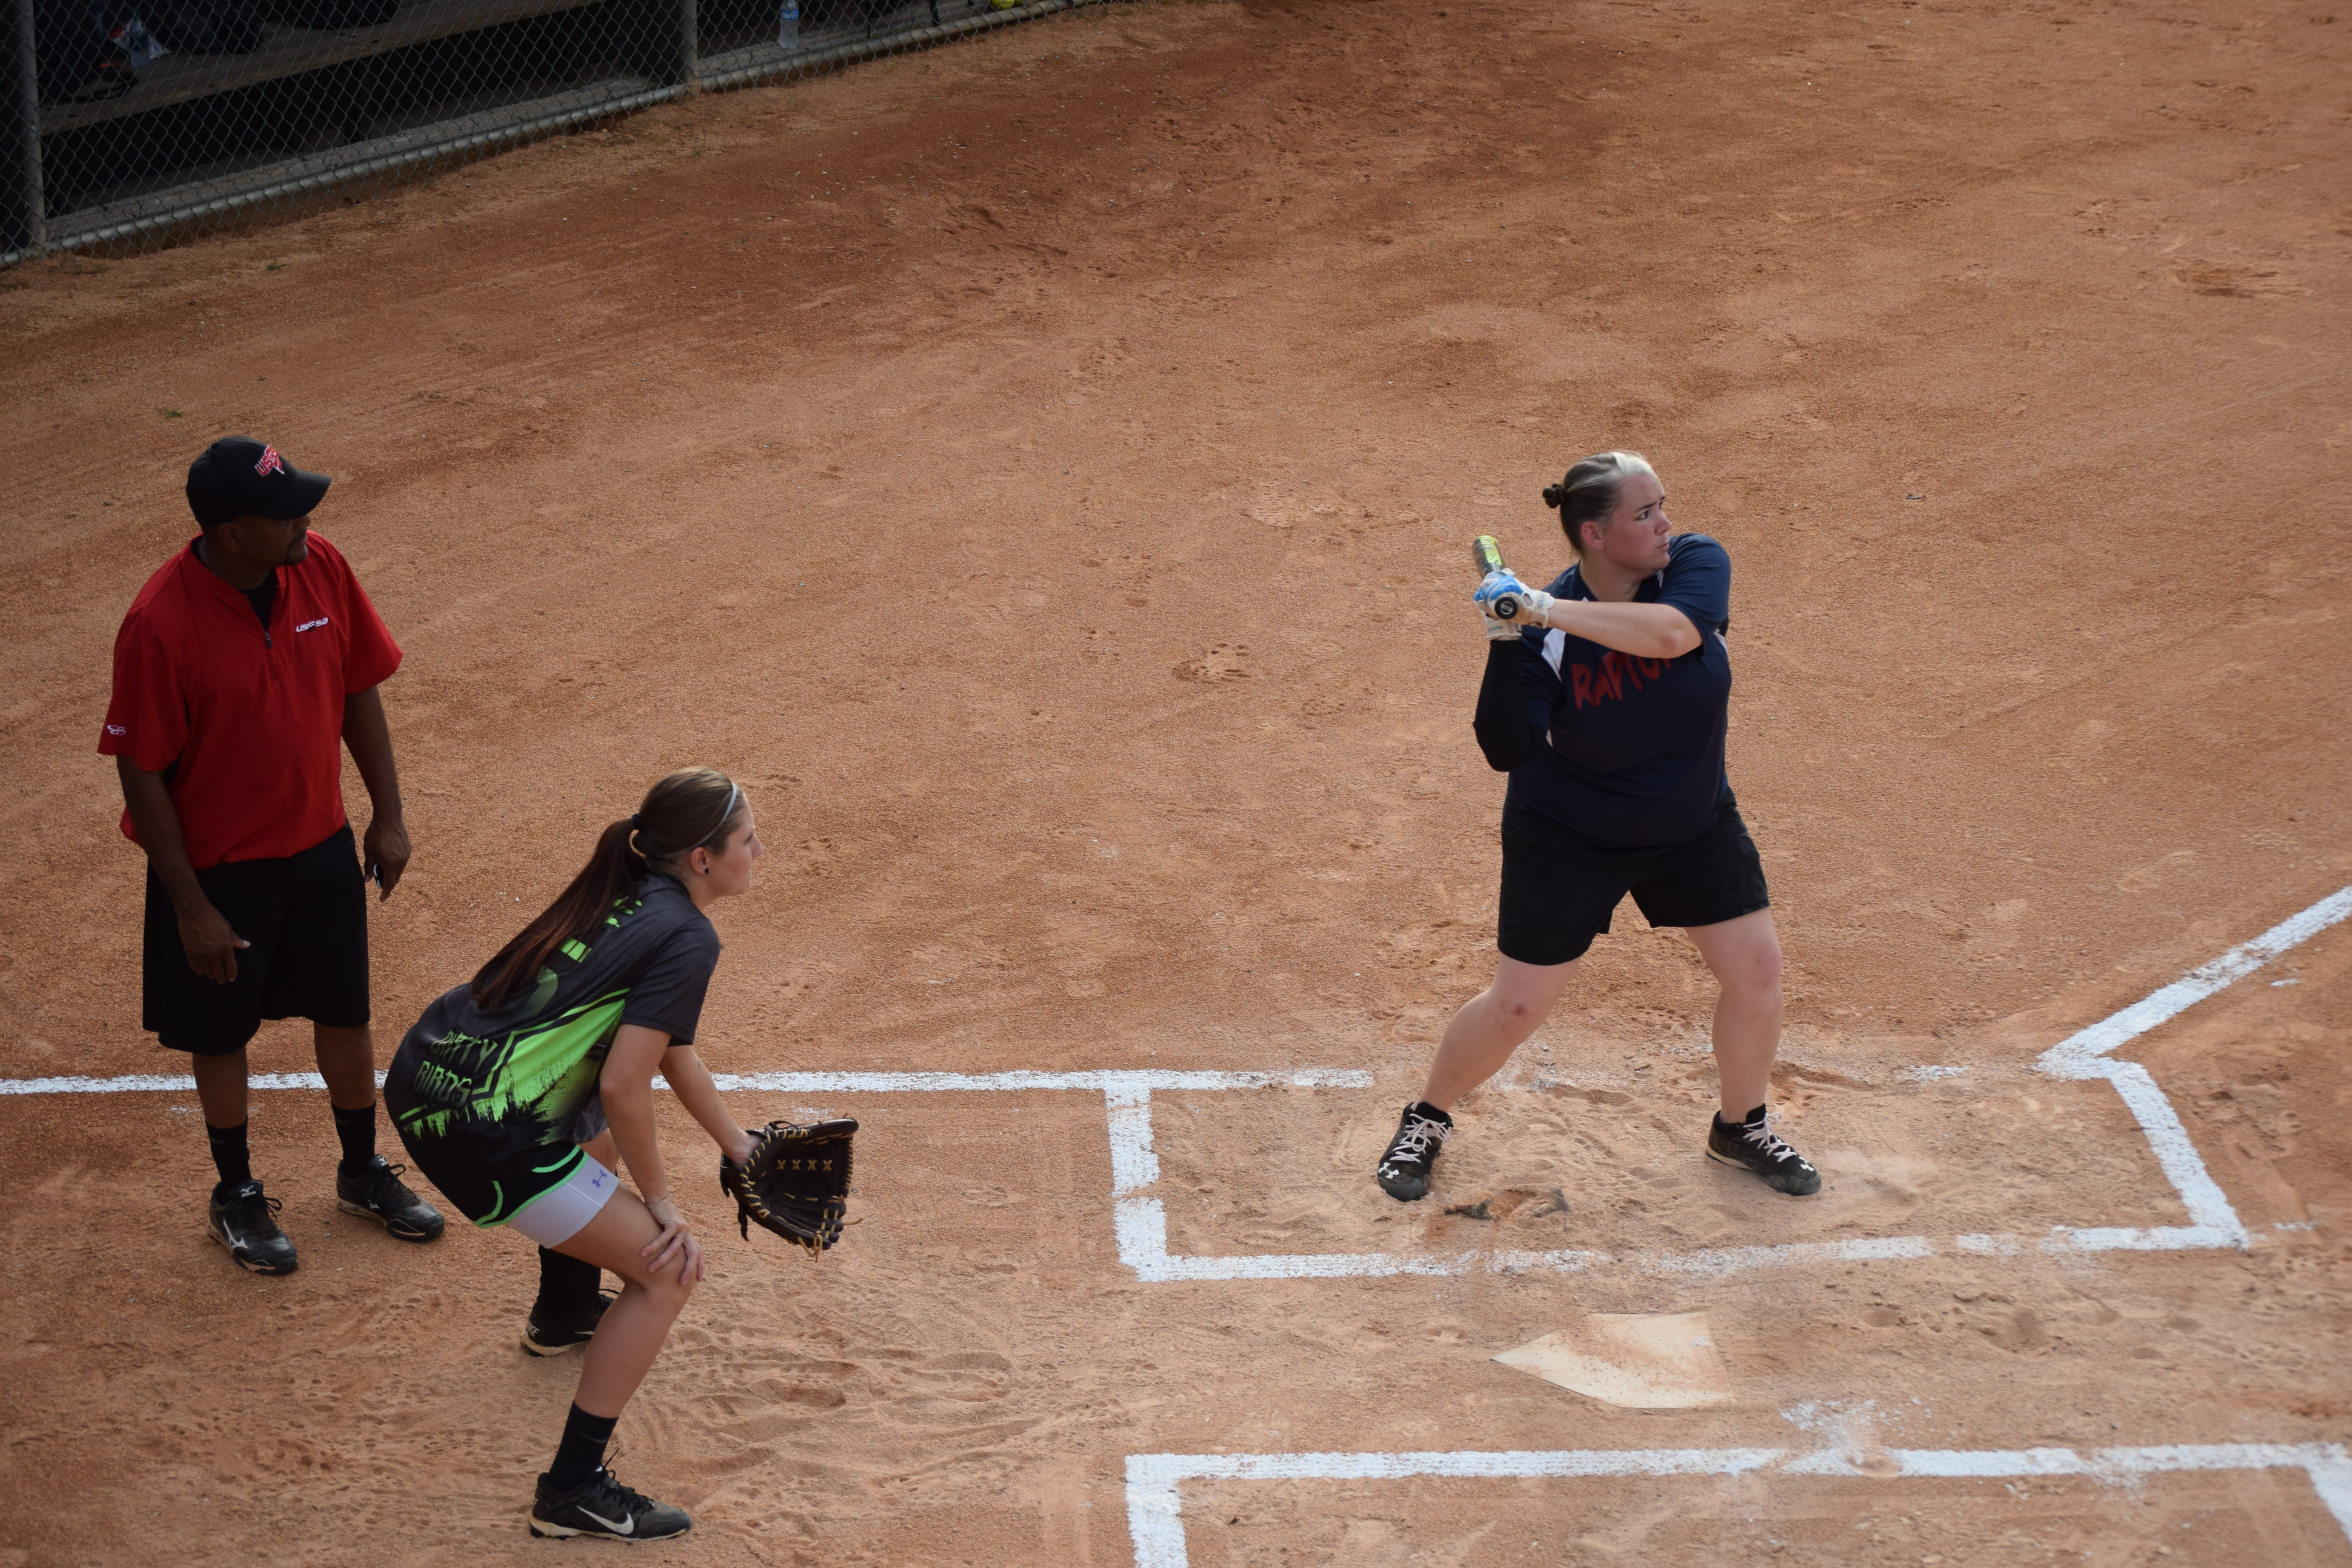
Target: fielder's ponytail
692 809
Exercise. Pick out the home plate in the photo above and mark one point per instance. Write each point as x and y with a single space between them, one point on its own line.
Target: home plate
1666 1362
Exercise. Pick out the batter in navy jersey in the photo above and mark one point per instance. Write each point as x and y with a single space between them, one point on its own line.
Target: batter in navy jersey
1606 698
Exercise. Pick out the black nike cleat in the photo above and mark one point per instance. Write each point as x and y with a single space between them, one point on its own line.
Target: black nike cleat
1750 1145
379 1194
246 1222
1405 1171
604 1508
553 1335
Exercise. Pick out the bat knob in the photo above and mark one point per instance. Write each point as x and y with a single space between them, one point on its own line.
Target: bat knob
1507 609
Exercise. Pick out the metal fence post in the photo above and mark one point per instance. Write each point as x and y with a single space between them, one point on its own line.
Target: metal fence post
21 224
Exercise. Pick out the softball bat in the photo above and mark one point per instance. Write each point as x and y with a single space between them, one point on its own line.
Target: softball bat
1487 554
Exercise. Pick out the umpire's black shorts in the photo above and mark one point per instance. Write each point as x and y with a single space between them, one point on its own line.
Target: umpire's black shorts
1558 890
306 916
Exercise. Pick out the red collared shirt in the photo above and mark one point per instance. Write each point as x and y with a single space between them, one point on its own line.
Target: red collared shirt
250 721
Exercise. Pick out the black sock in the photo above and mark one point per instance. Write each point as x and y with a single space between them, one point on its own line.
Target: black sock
586 1438
567 1286
1750 1119
230 1156
357 1130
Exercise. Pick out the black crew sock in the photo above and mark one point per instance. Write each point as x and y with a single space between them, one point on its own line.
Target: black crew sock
585 1438
231 1158
357 1130
567 1288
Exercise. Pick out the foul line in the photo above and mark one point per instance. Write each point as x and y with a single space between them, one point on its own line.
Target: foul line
1109 1080
1139 1224
1155 1517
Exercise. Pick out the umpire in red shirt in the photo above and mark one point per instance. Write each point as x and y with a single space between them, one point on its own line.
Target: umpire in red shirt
244 667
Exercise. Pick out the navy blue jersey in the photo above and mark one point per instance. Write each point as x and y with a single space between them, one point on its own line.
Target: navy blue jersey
1630 750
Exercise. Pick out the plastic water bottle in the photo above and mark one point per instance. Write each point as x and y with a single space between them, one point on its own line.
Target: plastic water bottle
788 27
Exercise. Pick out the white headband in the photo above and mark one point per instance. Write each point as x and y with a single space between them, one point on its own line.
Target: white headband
734 795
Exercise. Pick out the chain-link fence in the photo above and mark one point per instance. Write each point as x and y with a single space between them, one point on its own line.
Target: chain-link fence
130 118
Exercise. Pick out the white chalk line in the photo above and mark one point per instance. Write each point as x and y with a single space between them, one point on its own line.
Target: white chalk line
2084 1055
1155 1518
1139 1224
1113 1081
2077 1050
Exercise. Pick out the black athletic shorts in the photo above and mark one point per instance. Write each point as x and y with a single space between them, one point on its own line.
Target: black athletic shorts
306 916
1558 890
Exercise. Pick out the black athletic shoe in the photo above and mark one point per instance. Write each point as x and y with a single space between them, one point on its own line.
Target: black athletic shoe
551 1335
247 1224
1751 1146
378 1193
1405 1171
605 1508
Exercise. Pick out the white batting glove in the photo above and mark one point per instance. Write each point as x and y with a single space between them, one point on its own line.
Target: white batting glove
1528 606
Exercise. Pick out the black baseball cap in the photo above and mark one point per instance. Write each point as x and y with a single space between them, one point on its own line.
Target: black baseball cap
240 477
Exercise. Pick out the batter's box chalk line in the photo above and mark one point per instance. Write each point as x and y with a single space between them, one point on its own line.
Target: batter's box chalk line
1140 1223
1155 1504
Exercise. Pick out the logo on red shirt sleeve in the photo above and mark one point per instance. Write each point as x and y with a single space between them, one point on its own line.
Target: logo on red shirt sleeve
271 462
118 729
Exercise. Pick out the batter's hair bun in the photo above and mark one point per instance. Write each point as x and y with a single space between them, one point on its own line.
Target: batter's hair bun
1587 492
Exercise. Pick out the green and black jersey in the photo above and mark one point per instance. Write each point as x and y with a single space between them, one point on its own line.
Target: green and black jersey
485 1101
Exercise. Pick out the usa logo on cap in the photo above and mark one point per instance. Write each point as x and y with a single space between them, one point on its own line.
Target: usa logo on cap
271 462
